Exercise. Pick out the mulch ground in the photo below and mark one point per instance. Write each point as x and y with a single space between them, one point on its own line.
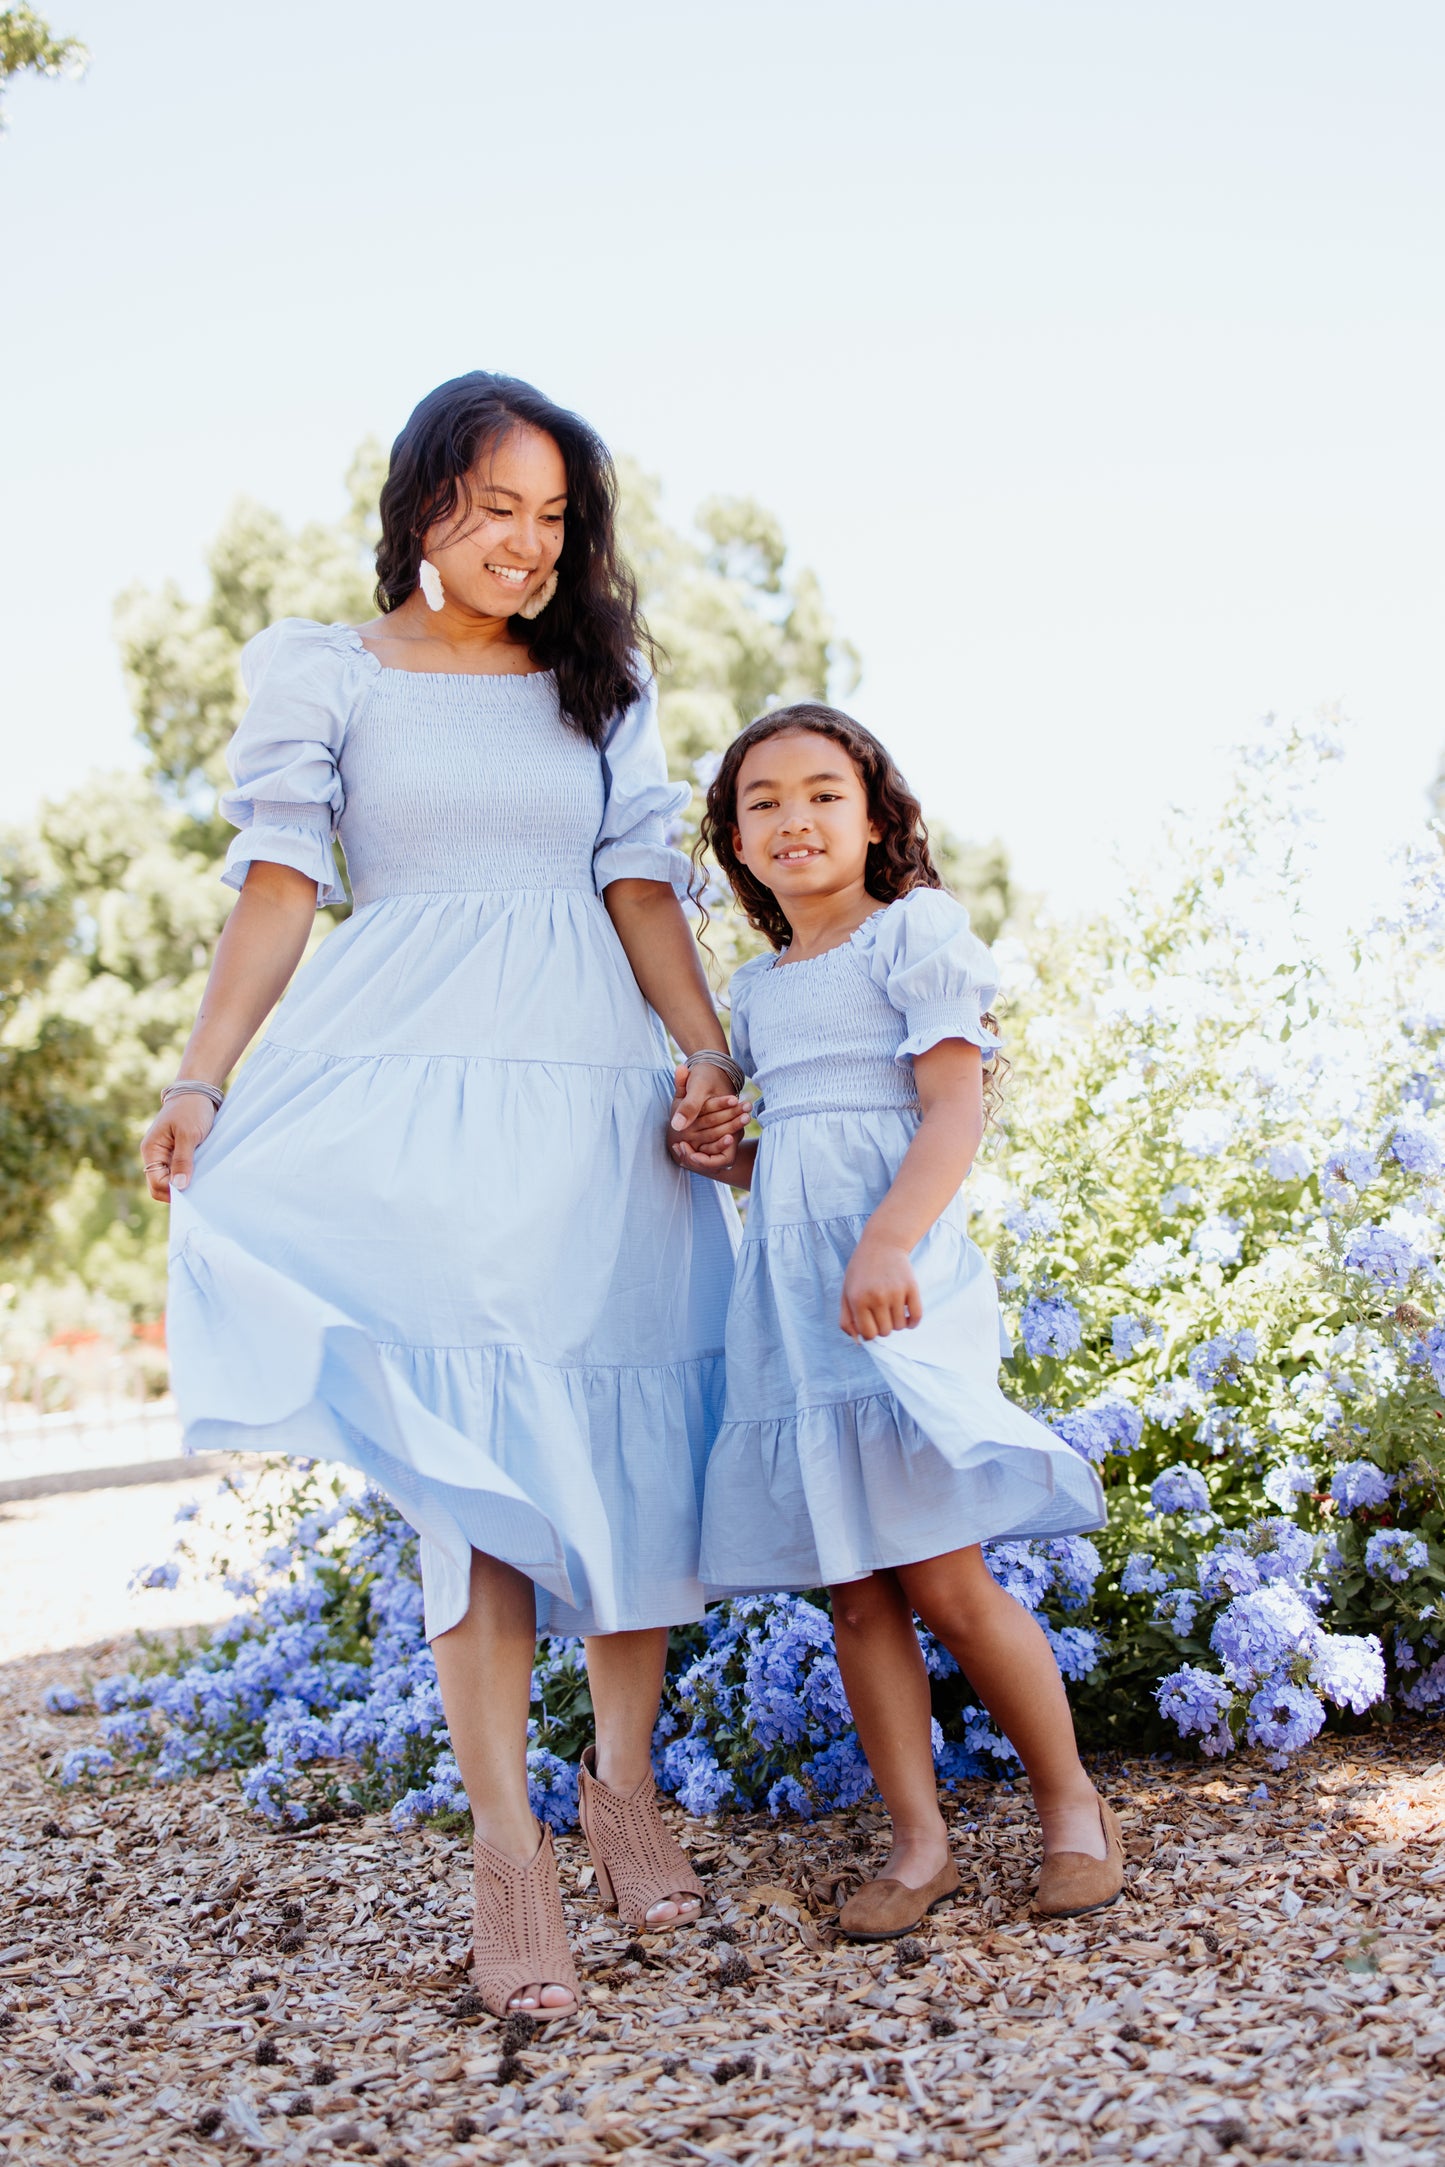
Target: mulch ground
177 1983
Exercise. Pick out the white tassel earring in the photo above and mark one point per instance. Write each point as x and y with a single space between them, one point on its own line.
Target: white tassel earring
540 599
430 581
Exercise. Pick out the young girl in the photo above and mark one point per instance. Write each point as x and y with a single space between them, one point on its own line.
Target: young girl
865 1443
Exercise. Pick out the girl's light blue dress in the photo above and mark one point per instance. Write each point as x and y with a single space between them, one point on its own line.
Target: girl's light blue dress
435 1231
838 1459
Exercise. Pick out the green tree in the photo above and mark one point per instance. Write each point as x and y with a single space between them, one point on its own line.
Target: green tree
736 632
181 658
52 1112
30 46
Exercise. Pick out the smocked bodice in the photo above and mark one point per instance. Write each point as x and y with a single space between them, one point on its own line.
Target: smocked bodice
837 1033
438 784
466 783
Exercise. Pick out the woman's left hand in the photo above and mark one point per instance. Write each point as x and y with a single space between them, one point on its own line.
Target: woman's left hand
701 1114
880 1291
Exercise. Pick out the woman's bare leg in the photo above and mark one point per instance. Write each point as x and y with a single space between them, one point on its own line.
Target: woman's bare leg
484 1666
1006 1659
626 1672
887 1688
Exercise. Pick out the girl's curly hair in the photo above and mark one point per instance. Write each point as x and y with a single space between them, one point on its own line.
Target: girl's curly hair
896 864
899 862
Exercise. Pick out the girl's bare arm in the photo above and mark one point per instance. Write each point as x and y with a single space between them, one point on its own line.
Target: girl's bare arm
880 1291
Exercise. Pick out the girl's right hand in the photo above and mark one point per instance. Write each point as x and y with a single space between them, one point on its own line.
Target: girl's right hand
168 1148
716 1161
880 1291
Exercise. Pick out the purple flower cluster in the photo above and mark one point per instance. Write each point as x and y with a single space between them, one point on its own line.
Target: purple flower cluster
157 1576
1428 1689
1096 1431
1037 1220
1394 1553
1384 1255
1225 1355
1413 1147
1432 1348
1359 1483
1173 1402
1199 1705
1283 1716
1141 1576
1050 1325
1128 1335
1179 1489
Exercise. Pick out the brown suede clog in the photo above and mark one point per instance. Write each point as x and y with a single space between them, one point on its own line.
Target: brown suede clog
883 1909
1071 1882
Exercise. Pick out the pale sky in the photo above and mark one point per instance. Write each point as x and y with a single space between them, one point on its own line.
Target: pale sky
1091 352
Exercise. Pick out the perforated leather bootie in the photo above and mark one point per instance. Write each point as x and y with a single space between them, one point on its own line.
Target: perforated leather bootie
519 1937
637 1861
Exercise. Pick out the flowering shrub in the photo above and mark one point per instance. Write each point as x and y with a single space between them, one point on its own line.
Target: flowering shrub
1214 1210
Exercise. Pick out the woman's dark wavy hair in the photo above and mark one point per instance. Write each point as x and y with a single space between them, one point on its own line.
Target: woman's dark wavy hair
897 863
590 635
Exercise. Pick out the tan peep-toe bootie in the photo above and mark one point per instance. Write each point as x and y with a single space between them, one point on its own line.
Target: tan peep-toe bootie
1071 1881
883 1909
519 1938
637 1862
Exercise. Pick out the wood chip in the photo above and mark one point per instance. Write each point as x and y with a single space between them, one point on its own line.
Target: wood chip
1268 1990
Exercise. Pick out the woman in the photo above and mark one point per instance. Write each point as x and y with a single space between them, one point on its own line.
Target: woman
436 1231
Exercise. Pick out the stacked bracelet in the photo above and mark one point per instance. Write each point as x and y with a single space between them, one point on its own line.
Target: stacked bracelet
182 1084
713 1057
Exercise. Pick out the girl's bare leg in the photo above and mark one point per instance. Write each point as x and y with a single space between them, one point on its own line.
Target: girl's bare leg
484 1666
887 1688
626 1671
1006 1659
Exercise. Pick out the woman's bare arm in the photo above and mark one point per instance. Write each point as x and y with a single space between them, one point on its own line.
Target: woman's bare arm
658 943
260 946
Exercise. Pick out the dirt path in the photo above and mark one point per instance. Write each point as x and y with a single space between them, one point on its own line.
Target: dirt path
175 1982
66 1564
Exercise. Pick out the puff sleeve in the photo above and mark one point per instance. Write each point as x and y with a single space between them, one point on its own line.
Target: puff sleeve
632 841
935 971
305 681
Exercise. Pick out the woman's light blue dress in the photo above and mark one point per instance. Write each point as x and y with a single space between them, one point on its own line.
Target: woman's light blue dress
838 1459
435 1231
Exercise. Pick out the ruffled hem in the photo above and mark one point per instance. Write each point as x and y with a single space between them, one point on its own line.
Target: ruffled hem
834 1493
305 848
932 1022
586 1479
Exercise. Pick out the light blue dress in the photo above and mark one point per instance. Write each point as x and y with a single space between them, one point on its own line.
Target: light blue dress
838 1459
435 1231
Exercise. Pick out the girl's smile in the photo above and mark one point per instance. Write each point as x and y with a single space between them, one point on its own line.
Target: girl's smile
803 826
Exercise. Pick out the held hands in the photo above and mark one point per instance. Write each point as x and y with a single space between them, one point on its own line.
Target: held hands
705 1126
880 1292
168 1148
